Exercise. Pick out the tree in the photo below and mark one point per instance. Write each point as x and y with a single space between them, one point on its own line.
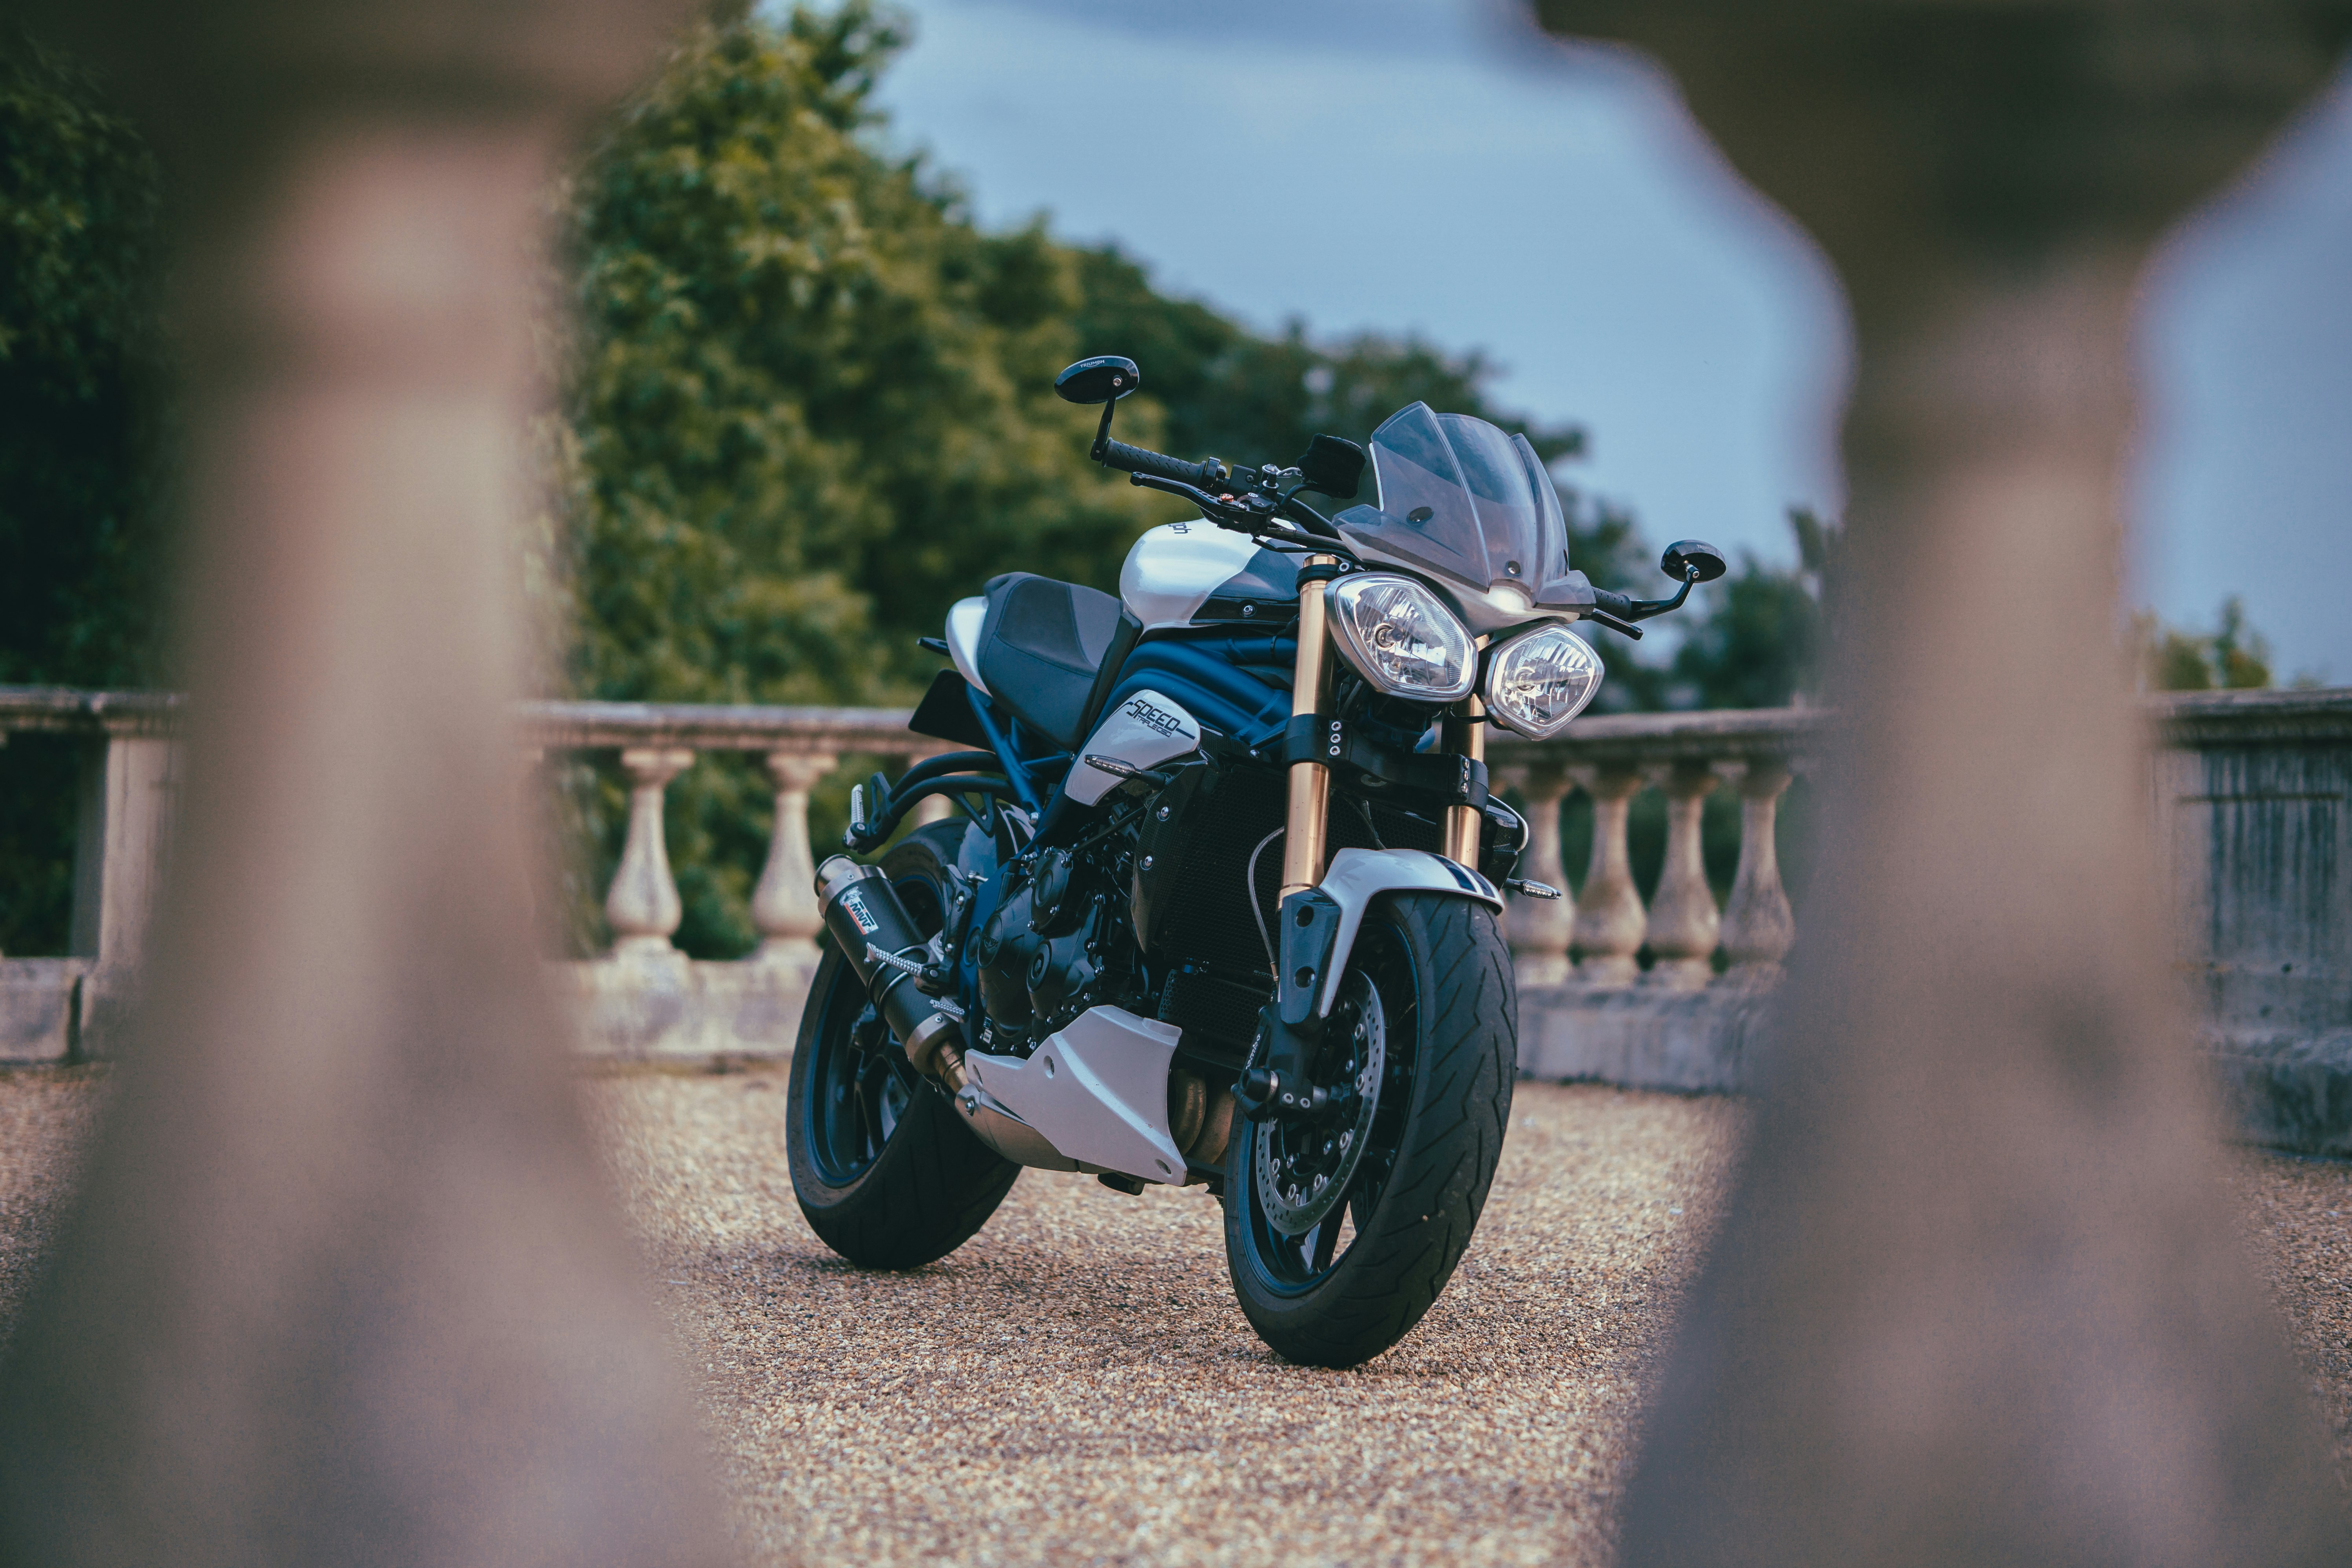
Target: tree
2234 656
813 400
1228 392
811 405
1757 642
80 523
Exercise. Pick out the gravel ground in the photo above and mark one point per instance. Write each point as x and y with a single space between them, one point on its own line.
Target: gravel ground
1076 1383
46 1115
1076 1386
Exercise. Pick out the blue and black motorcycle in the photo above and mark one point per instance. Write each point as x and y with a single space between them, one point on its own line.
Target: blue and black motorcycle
1220 908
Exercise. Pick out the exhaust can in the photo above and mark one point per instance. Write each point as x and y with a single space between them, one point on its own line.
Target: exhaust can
887 950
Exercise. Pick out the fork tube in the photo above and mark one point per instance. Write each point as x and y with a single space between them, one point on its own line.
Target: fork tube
1310 782
1465 736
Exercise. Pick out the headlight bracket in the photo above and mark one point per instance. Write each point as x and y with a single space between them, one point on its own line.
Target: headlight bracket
1423 778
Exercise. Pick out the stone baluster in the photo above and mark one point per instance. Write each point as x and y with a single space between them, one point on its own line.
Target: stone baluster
642 906
1758 926
1682 919
1541 929
1609 917
783 906
125 838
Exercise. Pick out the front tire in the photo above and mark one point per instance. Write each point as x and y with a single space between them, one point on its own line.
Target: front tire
887 1174
1435 1019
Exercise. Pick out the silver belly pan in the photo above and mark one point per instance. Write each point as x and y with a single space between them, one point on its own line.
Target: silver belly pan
1095 1091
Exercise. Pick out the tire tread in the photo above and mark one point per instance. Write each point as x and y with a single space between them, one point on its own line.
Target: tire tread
1453 1140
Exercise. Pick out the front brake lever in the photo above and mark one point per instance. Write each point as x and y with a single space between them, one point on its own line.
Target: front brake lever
1622 628
1215 511
1239 520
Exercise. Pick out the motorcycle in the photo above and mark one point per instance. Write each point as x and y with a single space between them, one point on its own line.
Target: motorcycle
1221 906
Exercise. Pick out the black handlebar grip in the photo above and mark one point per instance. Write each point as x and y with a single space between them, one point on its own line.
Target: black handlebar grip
1210 475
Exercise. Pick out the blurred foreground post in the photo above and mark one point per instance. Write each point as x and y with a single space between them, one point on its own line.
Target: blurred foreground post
343 1285
1978 1300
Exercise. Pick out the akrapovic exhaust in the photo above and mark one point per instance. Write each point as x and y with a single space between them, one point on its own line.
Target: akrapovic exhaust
883 945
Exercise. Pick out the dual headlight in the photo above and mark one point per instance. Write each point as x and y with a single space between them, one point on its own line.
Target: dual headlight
1399 637
1540 679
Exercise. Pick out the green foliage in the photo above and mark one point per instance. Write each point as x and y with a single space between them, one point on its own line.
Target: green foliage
814 406
2234 656
811 406
1759 637
80 543
813 401
808 405
1229 392
79 351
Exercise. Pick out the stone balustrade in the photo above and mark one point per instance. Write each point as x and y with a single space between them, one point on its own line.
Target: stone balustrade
2252 795
1686 757
1587 1006
644 998
658 741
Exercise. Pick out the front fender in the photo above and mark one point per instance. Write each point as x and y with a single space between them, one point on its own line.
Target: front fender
1356 876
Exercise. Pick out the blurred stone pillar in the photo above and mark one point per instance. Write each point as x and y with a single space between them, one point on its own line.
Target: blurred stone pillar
342 1284
1978 1299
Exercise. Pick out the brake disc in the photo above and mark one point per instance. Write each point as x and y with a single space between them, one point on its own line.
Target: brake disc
1304 1168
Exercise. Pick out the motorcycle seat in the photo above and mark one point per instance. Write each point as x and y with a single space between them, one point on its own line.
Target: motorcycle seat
1041 643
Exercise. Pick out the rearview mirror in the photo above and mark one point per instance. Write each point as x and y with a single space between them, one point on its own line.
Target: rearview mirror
1106 378
1331 467
1693 561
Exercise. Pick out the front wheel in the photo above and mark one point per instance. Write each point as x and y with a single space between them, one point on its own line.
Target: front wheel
1340 1230
887 1174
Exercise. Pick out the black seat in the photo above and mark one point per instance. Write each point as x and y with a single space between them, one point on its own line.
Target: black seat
1041 645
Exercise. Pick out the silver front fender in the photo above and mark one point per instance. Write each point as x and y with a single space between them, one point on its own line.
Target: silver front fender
1356 876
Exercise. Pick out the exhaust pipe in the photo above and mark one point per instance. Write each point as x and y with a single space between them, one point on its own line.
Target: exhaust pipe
881 942
882 945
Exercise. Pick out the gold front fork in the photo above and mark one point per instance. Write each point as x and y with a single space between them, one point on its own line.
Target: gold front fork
1465 736
1310 782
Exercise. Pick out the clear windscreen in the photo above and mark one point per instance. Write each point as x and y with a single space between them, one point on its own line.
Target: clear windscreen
1459 497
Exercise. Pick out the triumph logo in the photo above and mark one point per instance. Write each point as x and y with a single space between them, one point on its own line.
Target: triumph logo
1158 718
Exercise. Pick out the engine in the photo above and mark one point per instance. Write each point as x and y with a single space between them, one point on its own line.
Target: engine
1055 946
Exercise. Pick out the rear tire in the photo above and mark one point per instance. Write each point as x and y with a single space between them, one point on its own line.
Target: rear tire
887 1174
1364 1275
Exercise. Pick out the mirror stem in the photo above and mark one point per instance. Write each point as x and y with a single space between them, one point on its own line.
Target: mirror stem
1642 609
1102 431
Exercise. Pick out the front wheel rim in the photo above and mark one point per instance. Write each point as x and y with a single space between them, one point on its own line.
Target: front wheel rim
1288 1265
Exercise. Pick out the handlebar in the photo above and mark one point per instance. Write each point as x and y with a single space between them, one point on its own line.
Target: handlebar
1207 475
1242 518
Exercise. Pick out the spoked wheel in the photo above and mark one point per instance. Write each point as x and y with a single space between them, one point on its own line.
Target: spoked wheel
888 1176
1341 1229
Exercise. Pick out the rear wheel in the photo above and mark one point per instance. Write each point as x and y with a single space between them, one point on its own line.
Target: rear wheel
1340 1230
885 1173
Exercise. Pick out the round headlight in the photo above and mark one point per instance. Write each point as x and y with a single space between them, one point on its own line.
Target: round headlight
1402 639
1538 682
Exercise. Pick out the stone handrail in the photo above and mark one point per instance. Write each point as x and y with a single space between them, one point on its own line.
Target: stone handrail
2236 776
658 741
2198 721
57 709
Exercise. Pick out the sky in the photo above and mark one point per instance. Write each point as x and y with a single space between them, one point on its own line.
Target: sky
1557 208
